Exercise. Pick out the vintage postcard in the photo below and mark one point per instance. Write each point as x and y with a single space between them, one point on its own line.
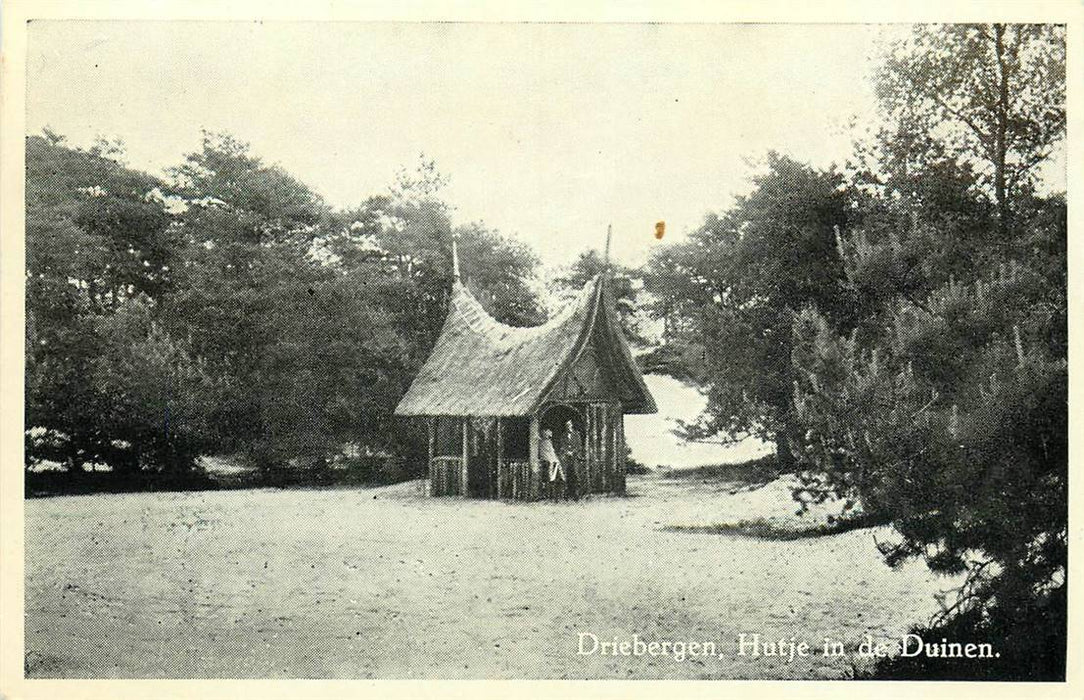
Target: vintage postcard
355 352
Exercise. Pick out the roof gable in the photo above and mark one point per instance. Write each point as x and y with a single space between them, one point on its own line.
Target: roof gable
480 367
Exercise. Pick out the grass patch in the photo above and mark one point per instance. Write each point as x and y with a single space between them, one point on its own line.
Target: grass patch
763 529
761 470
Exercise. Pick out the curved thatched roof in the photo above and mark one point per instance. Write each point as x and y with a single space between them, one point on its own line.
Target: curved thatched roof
480 367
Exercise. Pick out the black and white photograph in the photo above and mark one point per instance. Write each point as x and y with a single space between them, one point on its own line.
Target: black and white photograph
542 351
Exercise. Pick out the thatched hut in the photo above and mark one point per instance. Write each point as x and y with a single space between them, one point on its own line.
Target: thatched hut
490 392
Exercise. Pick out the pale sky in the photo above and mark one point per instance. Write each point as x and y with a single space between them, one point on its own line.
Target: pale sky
548 131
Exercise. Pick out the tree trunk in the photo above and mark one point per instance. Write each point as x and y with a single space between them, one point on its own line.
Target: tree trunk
783 455
1000 138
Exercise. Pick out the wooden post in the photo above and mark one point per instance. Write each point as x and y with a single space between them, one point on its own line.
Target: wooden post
605 458
430 423
500 457
466 449
613 445
603 443
600 432
619 438
532 456
603 448
589 484
592 446
611 448
604 464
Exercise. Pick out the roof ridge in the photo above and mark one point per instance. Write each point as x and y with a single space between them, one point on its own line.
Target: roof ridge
481 367
471 312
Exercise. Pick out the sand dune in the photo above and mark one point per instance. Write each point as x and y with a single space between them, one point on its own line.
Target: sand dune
653 443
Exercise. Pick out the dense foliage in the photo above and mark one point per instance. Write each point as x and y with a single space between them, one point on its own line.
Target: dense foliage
738 282
229 310
900 329
625 285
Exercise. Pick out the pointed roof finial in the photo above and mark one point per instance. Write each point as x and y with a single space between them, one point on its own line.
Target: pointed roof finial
609 235
455 256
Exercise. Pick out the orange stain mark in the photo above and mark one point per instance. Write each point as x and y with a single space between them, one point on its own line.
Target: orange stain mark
660 230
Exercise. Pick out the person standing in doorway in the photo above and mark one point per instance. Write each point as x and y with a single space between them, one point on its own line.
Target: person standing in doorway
572 456
551 465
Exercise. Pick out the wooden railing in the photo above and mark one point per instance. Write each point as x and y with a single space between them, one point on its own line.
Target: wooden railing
446 476
515 480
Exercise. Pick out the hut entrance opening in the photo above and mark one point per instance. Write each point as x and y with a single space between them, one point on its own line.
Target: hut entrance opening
448 440
566 424
557 416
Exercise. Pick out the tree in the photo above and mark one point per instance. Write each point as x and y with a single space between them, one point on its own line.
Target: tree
943 410
160 398
747 273
97 236
952 426
270 205
248 229
992 96
624 286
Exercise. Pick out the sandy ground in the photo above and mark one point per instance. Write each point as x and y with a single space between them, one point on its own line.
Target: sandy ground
384 583
651 438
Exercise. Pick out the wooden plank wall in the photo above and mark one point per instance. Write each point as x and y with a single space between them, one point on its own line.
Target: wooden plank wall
432 427
602 469
464 479
445 476
604 460
514 480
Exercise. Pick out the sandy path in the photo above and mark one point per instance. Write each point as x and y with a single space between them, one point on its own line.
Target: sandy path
382 583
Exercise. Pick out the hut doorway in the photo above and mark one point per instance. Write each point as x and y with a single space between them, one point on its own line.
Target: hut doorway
482 456
570 444
556 417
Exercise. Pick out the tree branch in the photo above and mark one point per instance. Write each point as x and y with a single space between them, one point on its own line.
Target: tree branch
959 115
1023 169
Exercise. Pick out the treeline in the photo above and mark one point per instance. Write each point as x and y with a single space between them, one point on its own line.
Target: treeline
227 310
898 327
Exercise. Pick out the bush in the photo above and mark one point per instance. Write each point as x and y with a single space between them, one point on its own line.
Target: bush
64 483
1030 642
